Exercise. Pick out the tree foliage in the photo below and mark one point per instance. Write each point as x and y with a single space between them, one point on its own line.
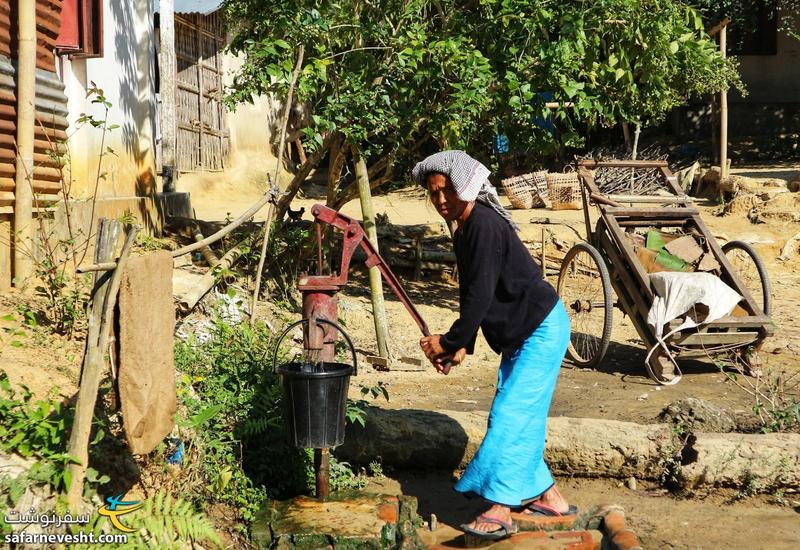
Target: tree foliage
744 14
388 74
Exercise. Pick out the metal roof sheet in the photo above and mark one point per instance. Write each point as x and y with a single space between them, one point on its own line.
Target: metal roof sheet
194 6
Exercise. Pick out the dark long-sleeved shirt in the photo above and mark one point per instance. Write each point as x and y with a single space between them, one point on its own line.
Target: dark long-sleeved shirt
501 289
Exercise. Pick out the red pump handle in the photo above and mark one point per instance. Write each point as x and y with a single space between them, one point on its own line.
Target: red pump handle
354 236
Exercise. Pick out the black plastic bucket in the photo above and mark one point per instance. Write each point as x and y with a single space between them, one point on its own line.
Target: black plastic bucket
315 397
315 403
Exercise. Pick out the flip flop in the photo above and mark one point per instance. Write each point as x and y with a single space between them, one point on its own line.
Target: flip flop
538 509
504 530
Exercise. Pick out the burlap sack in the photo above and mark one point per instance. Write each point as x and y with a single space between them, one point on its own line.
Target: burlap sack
146 366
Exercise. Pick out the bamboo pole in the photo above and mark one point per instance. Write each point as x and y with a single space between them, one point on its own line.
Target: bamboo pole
100 322
723 110
271 210
167 67
26 117
375 281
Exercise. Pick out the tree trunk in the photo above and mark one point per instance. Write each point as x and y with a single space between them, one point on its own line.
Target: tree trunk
338 158
384 164
375 282
626 134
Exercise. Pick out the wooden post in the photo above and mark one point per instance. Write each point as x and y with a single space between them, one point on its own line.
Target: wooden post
101 319
375 281
168 76
723 110
26 115
544 257
201 158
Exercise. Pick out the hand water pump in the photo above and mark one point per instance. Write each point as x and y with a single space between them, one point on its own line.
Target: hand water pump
315 389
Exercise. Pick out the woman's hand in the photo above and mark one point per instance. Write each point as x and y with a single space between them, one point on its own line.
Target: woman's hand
445 363
431 347
439 358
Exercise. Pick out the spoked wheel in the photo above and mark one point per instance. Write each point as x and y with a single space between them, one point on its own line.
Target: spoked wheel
585 288
752 271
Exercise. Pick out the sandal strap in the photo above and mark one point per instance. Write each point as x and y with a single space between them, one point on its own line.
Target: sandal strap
509 527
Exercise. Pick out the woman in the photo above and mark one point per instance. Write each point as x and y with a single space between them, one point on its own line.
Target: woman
501 291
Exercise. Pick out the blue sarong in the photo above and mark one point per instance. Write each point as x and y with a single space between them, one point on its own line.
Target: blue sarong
509 467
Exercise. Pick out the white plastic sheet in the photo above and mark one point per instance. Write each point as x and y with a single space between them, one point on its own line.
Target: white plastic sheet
677 294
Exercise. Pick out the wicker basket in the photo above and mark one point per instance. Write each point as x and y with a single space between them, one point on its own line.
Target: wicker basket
538 185
518 192
564 191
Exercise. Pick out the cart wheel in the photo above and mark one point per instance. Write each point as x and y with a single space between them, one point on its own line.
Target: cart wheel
751 269
585 288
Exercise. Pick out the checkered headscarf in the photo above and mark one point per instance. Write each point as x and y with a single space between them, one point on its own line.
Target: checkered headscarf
468 176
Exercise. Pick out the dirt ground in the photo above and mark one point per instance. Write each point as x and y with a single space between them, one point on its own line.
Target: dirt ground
618 389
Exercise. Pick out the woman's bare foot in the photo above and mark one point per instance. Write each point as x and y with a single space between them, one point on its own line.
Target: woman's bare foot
498 512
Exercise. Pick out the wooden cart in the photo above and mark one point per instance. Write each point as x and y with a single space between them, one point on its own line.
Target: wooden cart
607 261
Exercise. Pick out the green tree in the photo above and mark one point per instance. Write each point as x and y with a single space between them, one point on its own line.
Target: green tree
385 76
612 60
382 77
744 14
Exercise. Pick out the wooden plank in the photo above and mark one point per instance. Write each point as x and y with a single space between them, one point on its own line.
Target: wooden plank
715 338
638 303
645 199
586 221
751 321
194 90
644 222
193 128
632 302
191 60
629 256
652 212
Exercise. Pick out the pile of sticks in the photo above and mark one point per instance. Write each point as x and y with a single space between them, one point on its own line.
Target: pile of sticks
628 181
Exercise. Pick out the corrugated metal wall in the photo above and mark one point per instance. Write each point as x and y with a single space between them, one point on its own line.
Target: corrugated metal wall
48 17
51 113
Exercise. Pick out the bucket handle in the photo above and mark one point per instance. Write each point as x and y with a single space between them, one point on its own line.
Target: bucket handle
318 321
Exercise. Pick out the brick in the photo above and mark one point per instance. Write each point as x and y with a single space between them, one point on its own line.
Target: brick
388 512
625 540
579 540
531 522
613 522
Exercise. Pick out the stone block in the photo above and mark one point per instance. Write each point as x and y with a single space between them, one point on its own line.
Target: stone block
360 522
